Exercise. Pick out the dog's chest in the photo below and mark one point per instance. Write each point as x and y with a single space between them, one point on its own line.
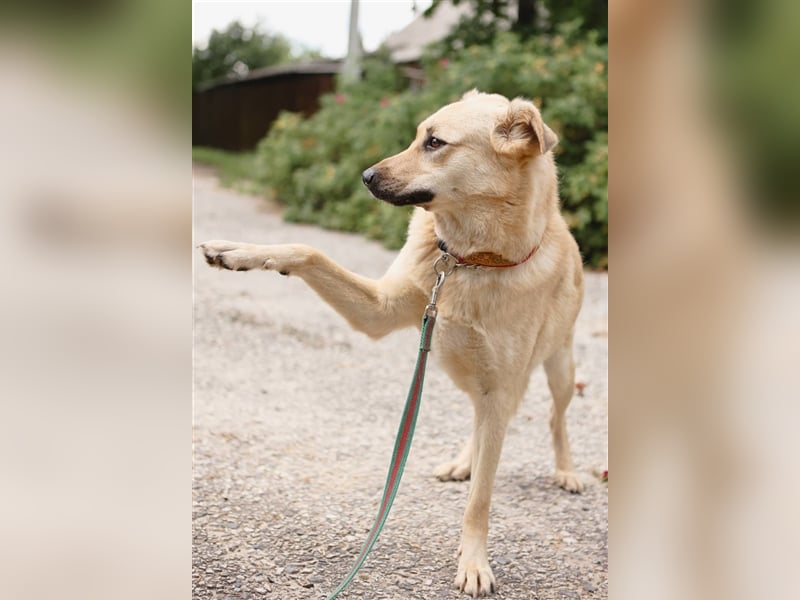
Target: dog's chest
479 313
477 299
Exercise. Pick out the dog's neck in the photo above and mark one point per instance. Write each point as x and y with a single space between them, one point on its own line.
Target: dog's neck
478 227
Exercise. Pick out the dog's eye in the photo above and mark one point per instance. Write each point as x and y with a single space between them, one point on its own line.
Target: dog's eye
435 143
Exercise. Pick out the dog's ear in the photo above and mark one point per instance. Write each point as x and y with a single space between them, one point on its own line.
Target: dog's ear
522 132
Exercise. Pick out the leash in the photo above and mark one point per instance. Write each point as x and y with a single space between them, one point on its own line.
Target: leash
443 267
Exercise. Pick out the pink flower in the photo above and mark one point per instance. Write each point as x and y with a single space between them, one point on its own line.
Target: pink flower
340 98
385 101
444 63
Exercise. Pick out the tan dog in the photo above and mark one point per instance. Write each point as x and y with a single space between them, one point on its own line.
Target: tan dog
482 174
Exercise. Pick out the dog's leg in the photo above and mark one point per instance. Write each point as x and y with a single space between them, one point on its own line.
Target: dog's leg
474 575
560 370
458 469
374 307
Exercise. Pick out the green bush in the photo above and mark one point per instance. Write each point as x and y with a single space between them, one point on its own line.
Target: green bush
313 165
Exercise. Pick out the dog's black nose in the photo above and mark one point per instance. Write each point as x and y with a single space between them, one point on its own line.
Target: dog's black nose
368 176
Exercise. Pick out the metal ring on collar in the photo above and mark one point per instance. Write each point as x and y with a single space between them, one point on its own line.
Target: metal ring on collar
446 264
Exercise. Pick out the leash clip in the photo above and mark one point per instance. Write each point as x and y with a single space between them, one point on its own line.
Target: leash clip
432 310
443 266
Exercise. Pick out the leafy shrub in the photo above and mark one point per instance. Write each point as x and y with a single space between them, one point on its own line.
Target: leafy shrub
313 165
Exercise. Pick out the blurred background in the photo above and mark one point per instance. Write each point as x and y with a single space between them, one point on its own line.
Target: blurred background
95 379
96 321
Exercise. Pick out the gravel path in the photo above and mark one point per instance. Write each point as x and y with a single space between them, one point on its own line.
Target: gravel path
294 421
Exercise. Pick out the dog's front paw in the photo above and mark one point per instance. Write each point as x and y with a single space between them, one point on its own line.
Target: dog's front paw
236 256
212 251
474 576
569 481
233 256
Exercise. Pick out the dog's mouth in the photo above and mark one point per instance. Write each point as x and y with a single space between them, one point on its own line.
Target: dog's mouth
382 190
409 198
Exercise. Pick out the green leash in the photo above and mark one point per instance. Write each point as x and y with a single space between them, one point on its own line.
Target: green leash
405 432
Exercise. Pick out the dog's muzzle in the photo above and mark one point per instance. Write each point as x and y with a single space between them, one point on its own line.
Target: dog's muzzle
382 190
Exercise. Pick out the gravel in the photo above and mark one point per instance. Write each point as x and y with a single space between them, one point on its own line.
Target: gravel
294 422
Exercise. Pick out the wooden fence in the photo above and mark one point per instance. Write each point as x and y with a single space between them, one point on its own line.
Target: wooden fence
236 115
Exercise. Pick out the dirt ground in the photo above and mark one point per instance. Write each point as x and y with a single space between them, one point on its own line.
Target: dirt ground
294 422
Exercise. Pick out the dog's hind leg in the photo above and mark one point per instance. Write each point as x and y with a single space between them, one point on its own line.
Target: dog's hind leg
458 469
560 370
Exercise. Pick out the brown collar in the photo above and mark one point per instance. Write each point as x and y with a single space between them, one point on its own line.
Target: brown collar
484 259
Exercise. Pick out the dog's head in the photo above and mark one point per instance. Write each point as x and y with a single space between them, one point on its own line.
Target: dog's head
478 147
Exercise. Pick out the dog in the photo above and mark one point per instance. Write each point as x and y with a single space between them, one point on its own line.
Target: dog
482 177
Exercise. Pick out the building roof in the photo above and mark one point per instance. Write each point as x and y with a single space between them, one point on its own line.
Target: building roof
408 44
304 68
329 67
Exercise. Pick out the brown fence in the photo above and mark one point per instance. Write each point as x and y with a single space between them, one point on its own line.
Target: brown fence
236 115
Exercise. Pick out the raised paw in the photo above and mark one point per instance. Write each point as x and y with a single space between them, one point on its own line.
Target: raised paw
569 481
238 256
227 255
475 577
